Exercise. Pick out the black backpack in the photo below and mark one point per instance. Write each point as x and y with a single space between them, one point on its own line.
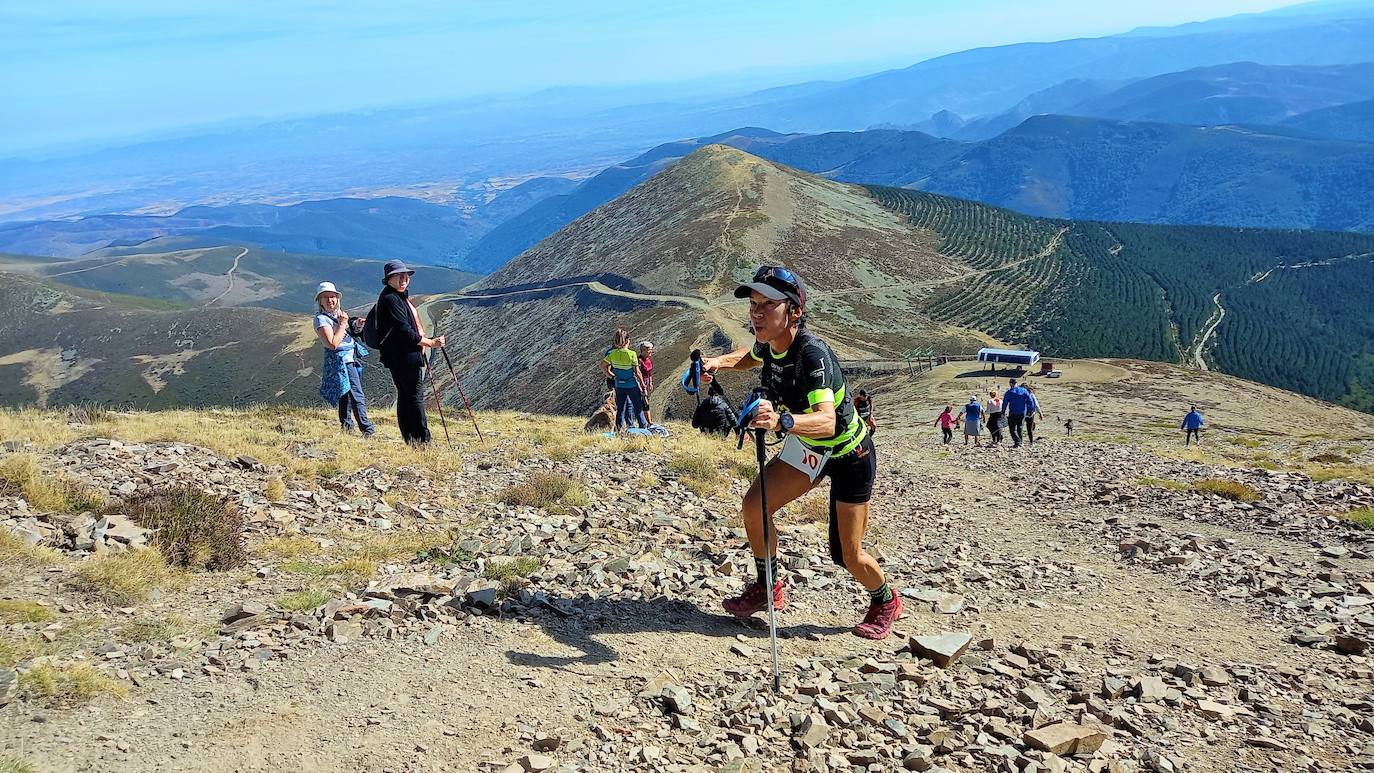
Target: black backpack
714 416
370 337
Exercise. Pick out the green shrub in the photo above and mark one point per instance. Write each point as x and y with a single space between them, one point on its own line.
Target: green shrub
524 566
192 528
14 611
1362 518
1226 489
303 600
1329 457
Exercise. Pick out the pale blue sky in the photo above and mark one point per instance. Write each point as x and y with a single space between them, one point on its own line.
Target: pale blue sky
78 71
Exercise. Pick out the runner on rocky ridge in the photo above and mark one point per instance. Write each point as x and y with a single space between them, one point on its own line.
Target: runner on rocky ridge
825 438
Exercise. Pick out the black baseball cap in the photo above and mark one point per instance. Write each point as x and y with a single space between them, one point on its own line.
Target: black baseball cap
775 283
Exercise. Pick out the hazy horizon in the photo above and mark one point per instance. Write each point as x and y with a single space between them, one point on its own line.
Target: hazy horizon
84 76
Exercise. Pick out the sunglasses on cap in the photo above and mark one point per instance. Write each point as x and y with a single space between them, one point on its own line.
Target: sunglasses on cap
778 274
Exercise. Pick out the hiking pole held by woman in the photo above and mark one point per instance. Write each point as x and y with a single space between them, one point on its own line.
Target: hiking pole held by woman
462 394
437 404
742 426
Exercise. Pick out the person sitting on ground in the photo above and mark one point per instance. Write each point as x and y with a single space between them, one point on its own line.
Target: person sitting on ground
808 401
973 417
994 418
1192 426
646 376
341 384
864 405
945 421
404 346
622 365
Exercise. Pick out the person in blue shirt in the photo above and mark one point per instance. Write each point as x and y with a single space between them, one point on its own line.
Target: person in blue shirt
1192 426
1016 403
341 384
973 417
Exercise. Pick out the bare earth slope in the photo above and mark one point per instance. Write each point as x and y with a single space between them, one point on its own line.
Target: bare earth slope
1108 601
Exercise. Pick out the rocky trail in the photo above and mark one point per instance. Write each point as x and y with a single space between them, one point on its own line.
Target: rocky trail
1065 612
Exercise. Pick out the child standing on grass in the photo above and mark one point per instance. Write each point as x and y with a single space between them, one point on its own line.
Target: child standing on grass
945 421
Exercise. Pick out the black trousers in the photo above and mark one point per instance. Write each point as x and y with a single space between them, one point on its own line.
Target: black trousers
949 434
1030 428
995 427
1014 427
410 402
1192 434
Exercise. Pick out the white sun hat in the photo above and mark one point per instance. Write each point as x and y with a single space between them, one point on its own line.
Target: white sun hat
325 287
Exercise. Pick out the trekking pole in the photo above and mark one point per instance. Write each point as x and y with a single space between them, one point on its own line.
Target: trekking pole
746 417
768 550
434 391
462 394
696 375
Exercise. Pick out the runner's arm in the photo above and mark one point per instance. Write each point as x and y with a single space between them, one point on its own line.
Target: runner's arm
740 359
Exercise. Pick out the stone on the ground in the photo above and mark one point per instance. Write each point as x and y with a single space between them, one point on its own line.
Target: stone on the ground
943 649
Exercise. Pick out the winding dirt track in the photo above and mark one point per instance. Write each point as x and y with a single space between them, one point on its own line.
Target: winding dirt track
230 276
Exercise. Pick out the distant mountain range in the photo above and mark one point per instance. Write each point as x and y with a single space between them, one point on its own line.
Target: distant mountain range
381 228
891 268
464 145
1234 93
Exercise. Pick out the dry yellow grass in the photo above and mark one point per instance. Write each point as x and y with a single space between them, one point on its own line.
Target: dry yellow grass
21 475
1226 489
15 765
20 611
68 685
122 578
285 548
17 553
544 490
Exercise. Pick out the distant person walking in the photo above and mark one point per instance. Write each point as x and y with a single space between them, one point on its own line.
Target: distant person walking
1015 403
973 418
1192 426
863 405
1032 414
1068 428
646 375
994 418
622 365
341 382
945 421
403 346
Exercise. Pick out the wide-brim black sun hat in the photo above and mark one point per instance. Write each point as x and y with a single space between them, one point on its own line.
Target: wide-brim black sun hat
395 267
775 283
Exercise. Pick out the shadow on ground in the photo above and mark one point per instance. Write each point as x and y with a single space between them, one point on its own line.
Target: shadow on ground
626 616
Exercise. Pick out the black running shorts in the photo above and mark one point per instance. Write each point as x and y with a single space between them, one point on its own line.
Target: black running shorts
851 476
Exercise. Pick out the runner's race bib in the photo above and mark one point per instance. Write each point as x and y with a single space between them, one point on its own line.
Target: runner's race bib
803 457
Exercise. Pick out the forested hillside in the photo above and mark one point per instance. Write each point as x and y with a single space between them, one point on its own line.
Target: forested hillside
1288 308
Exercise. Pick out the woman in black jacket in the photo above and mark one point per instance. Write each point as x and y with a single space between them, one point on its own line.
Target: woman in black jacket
403 345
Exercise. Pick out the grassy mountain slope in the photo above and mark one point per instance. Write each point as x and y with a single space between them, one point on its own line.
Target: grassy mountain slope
1281 307
1354 121
947 273
60 345
168 269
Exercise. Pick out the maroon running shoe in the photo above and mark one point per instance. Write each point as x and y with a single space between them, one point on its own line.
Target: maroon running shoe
752 600
878 622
